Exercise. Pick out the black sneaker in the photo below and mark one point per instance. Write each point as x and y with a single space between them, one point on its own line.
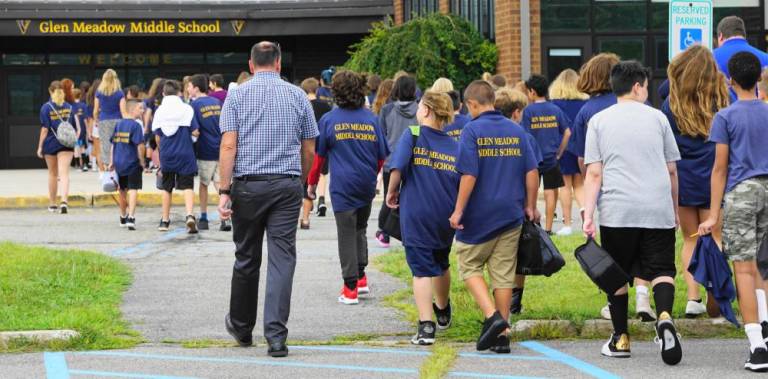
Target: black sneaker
202 224
764 325
492 327
64 208
668 339
517 301
425 335
758 360
191 224
164 225
225 226
321 209
123 221
444 316
130 222
617 346
502 345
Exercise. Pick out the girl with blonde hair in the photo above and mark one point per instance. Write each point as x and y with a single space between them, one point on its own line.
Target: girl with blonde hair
108 109
564 93
442 85
57 156
382 95
697 91
426 202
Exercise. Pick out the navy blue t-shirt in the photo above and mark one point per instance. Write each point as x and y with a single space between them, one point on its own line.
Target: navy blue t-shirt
207 112
50 119
128 136
430 186
177 153
743 126
454 129
353 143
694 169
547 123
594 105
497 152
80 110
325 94
109 105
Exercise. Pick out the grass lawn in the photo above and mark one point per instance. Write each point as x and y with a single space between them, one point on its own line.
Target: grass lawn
42 289
567 295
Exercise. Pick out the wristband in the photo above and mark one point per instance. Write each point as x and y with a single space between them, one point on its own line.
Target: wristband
223 191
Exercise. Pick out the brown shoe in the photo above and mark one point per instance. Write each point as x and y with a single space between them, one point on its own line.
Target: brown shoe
305 225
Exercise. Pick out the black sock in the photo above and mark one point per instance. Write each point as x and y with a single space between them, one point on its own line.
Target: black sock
517 290
361 273
618 305
350 283
664 295
321 200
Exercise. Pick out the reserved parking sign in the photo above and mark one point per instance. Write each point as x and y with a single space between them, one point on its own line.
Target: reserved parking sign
690 23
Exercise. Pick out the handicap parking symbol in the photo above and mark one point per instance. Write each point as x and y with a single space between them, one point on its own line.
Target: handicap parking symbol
689 37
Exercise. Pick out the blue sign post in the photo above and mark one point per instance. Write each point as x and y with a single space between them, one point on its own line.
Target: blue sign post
690 23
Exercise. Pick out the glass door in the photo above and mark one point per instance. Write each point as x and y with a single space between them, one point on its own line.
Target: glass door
24 92
563 52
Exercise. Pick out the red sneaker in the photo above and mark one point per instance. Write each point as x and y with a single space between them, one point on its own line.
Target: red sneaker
362 286
348 296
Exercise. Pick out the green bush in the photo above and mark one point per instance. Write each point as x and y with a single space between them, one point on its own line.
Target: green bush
428 47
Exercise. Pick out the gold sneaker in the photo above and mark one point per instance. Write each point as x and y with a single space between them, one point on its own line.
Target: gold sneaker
617 346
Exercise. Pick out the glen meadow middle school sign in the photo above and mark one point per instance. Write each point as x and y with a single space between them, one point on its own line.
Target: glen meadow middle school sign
127 27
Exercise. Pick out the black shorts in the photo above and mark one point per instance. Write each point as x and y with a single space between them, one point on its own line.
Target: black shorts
172 180
643 253
552 178
130 182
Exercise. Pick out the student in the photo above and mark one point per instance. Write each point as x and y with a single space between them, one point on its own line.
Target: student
498 175
127 159
350 138
216 86
374 81
153 100
79 109
132 92
57 156
498 81
174 126
442 85
732 39
429 188
740 181
547 123
697 92
564 93
324 93
108 109
630 156
394 119
320 108
382 96
453 129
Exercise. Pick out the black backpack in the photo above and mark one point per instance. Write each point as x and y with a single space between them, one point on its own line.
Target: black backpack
536 253
600 267
392 220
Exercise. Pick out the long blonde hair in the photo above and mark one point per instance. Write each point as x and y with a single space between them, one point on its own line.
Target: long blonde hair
565 87
56 90
110 83
441 105
442 85
697 90
382 95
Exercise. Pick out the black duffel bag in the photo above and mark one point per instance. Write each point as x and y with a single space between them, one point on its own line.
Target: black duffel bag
600 267
536 253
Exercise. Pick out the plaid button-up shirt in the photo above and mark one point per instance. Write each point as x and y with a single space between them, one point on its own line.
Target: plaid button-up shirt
271 117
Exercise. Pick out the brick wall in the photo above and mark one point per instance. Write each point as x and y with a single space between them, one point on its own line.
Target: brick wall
508 38
398 11
445 6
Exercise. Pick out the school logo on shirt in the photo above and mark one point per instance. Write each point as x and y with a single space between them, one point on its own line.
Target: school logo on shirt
360 132
455 134
543 122
64 113
499 147
433 159
210 111
122 137
237 26
23 26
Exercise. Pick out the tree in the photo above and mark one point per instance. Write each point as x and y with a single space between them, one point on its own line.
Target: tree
428 47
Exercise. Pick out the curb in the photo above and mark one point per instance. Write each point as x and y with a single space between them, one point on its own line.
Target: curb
39 335
554 329
96 200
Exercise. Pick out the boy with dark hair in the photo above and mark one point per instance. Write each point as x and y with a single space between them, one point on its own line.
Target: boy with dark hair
128 160
175 128
207 112
498 189
631 157
216 85
740 178
459 120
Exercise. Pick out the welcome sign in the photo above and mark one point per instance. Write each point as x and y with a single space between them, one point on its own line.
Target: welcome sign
130 27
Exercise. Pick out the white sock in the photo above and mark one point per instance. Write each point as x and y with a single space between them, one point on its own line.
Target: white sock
755 335
641 290
762 308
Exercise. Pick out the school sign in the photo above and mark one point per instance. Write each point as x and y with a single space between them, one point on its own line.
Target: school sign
106 27
690 23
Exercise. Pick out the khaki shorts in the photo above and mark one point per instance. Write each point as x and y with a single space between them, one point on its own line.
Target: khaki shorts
499 255
745 219
208 172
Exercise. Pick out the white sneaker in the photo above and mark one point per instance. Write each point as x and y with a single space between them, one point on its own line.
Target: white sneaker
694 309
605 313
643 308
565 231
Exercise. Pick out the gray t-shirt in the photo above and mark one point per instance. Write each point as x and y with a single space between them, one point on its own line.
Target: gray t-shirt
634 142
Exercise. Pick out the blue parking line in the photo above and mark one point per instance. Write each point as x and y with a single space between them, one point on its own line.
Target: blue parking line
569 360
109 374
55 366
462 374
164 238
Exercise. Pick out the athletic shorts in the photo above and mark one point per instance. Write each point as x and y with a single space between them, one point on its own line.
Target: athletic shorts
427 263
745 219
643 253
498 254
208 172
552 178
172 180
131 182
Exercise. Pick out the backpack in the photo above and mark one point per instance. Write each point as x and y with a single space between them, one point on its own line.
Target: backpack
66 135
392 222
536 253
600 267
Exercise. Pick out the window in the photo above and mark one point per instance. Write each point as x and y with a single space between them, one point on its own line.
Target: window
626 47
23 59
480 13
70 59
616 15
559 59
24 94
416 8
565 15
227 58
659 16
